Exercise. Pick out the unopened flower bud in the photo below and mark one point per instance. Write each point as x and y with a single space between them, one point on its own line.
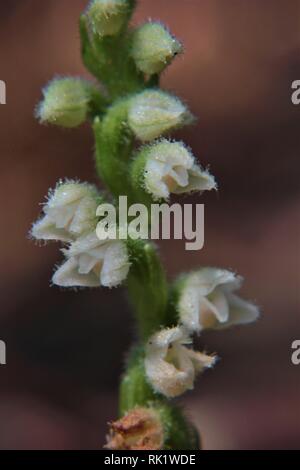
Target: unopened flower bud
171 367
207 300
152 113
66 102
69 212
139 429
170 168
153 48
107 17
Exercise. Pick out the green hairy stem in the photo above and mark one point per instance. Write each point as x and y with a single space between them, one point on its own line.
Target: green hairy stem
108 59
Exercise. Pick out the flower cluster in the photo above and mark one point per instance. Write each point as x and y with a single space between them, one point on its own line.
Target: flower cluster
203 300
126 106
69 216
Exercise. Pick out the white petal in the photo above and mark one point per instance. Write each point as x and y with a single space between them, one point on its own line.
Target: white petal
45 229
85 244
241 312
207 279
166 379
219 304
198 180
84 218
68 276
86 263
116 264
68 193
160 342
62 216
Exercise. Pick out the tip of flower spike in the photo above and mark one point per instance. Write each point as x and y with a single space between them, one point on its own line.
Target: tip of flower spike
107 17
153 48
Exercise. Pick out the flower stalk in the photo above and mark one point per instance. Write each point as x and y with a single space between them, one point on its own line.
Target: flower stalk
126 111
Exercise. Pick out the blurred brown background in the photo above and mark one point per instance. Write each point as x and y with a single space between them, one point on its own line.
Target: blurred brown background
65 350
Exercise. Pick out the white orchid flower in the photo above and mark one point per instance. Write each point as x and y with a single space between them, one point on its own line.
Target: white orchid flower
171 168
207 301
92 263
171 367
69 212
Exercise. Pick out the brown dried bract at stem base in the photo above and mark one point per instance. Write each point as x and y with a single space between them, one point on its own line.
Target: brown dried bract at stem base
140 429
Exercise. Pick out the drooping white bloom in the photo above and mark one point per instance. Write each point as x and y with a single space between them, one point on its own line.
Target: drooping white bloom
152 113
207 301
92 263
171 367
69 212
171 168
153 47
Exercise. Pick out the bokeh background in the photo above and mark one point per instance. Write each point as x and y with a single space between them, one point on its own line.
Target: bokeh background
66 350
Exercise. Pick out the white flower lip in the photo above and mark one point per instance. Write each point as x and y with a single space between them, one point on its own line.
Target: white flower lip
171 169
153 113
93 263
170 366
69 212
207 301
